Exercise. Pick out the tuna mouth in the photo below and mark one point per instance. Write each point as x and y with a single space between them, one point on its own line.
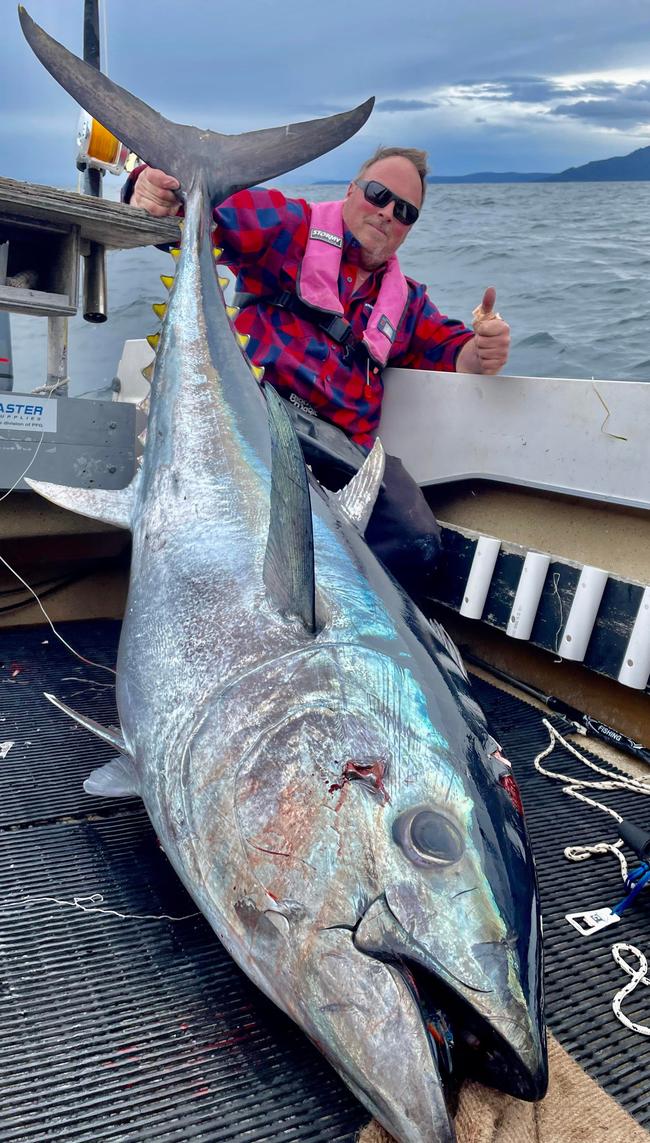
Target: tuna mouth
466 1045
490 1036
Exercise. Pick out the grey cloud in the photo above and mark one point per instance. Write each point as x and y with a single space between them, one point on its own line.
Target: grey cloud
628 111
406 104
520 88
538 89
611 104
533 90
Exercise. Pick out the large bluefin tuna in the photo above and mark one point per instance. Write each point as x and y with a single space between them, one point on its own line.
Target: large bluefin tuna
304 740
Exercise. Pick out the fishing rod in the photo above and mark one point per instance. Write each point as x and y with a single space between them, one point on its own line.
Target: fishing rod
98 152
584 722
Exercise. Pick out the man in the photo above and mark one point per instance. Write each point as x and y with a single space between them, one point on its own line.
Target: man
326 307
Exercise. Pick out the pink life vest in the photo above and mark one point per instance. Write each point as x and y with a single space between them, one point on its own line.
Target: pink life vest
317 285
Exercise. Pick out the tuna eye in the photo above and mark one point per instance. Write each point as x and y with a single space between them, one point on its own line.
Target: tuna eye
427 838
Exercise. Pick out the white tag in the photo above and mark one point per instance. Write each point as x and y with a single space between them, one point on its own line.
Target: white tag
34 414
325 236
592 920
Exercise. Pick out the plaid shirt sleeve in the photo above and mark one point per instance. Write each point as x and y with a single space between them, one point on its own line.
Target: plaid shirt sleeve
260 231
434 339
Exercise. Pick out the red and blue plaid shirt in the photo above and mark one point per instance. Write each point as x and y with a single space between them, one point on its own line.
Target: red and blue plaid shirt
263 236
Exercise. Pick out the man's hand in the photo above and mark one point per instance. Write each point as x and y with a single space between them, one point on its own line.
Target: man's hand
154 192
488 350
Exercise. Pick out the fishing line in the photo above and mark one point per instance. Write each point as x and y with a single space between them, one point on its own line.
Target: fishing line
556 580
77 654
92 904
23 474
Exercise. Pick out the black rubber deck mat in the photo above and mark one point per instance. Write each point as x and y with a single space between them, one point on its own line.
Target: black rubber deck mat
127 1029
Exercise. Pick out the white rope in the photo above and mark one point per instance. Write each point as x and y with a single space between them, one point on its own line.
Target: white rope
639 976
574 788
50 390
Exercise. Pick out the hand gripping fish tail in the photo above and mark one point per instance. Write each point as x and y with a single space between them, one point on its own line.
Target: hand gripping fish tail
304 740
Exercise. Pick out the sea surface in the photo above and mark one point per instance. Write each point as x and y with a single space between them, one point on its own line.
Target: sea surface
570 262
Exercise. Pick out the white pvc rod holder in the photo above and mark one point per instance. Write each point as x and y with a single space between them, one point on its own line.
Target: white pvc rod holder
528 594
635 668
582 614
480 577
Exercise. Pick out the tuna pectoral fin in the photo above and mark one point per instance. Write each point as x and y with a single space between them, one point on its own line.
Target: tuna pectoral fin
289 558
363 1015
117 779
229 162
114 506
106 733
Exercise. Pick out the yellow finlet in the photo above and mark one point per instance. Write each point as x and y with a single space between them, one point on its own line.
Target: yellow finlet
153 339
175 252
217 252
243 340
167 281
257 371
147 372
160 309
232 312
223 282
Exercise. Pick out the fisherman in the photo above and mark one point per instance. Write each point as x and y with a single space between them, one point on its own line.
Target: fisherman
326 307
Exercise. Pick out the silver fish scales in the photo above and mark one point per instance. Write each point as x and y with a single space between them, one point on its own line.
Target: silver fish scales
304 740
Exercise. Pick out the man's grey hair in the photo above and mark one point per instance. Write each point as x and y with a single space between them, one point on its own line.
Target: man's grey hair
418 158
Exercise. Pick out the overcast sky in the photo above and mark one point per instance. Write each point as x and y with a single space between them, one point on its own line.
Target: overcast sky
500 85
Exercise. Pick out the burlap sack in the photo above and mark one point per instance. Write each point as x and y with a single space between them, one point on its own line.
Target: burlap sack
576 1110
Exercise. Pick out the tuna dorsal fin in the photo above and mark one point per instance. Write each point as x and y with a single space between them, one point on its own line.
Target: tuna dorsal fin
113 506
227 162
289 558
106 733
357 500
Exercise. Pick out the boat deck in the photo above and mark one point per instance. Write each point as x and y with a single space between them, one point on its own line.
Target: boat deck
117 1027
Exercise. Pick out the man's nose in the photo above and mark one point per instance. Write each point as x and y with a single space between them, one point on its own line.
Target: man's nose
388 210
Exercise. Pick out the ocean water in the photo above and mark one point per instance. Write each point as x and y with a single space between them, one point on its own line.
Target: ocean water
570 262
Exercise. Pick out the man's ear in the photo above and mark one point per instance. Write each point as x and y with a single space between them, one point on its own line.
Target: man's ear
349 190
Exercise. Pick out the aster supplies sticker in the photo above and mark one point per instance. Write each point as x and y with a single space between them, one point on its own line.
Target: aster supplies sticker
34 414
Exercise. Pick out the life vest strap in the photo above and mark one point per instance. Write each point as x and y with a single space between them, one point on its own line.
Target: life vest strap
333 325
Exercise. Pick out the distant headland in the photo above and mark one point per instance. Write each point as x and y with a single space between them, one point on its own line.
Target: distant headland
634 167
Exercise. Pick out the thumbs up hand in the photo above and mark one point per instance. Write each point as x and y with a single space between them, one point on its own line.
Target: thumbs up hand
486 310
489 348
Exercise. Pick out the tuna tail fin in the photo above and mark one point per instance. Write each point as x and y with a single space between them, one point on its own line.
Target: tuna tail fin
227 162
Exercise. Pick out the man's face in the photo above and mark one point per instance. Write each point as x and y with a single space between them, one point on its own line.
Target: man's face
375 227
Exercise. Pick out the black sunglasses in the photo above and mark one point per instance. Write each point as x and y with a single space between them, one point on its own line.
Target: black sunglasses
378 195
